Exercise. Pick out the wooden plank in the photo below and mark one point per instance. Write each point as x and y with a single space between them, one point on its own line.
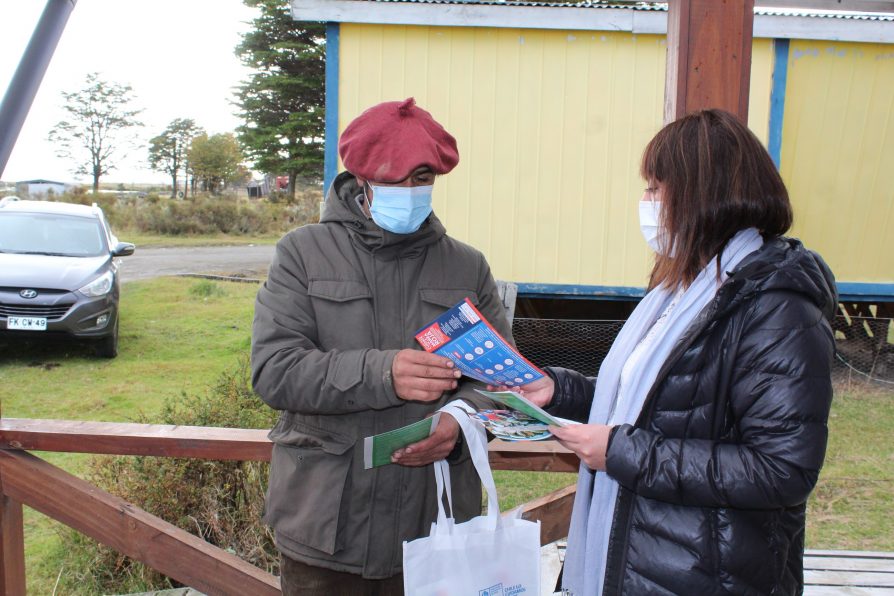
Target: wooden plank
845 591
858 564
535 456
708 56
12 546
553 511
119 438
863 579
856 554
115 438
128 529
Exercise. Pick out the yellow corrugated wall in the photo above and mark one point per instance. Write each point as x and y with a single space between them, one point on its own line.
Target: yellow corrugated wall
550 126
838 154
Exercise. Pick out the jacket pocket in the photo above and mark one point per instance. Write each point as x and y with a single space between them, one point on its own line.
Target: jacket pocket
343 310
447 297
309 478
338 290
435 301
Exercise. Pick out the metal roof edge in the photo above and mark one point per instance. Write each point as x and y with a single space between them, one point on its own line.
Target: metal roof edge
768 23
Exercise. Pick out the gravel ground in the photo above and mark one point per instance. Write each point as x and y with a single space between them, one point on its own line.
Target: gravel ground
241 261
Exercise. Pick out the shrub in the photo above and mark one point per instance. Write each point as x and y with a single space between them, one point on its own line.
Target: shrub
204 215
206 289
220 501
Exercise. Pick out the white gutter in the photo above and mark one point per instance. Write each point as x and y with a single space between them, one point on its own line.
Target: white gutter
479 15
575 18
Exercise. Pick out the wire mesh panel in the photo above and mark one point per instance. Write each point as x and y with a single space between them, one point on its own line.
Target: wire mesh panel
579 345
865 346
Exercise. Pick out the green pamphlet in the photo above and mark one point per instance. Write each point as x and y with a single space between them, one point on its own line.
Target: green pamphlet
377 449
519 403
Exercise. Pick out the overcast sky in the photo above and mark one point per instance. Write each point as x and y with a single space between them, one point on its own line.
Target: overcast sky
176 54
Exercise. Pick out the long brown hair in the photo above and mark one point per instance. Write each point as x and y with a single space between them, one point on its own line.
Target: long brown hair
716 179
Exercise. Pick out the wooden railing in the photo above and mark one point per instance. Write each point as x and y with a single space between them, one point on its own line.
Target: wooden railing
28 480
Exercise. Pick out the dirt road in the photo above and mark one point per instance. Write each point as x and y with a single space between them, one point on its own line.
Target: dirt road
247 261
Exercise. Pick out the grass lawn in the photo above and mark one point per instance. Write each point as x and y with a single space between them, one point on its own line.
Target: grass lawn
178 335
852 504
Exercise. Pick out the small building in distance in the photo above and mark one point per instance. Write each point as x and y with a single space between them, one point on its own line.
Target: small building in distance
37 188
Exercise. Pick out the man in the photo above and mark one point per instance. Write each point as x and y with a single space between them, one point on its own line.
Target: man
333 348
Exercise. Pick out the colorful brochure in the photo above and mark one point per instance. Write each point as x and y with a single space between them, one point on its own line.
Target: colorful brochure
476 348
377 449
523 405
511 425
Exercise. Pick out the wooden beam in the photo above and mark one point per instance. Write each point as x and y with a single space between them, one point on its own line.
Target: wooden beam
129 530
532 456
708 56
554 513
119 438
12 546
114 438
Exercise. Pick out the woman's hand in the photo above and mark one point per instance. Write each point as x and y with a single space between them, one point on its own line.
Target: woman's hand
588 441
539 392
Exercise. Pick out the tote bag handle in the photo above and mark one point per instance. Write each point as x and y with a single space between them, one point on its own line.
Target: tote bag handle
442 481
476 439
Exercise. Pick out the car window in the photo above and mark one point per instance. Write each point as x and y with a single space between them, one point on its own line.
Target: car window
39 233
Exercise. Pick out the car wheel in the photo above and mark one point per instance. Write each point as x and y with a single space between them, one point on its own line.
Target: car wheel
107 347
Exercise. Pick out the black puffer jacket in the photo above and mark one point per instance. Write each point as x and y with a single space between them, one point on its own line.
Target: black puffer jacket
716 471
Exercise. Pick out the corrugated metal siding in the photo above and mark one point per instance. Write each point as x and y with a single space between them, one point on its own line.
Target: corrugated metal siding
551 126
838 154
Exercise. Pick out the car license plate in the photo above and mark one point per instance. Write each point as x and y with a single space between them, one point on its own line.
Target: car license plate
27 323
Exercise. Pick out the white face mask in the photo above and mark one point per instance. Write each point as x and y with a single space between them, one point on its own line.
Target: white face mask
649 225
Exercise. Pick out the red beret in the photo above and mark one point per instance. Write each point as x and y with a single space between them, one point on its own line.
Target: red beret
390 140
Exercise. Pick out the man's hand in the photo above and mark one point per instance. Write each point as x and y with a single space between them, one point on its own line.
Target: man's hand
420 376
539 392
436 447
588 441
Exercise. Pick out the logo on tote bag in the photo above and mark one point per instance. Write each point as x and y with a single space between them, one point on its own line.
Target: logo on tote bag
498 590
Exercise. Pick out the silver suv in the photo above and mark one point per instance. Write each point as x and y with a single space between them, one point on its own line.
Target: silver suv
58 273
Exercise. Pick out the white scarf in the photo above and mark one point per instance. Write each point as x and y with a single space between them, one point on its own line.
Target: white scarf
597 493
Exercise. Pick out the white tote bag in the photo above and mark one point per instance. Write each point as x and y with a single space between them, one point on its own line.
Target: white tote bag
486 556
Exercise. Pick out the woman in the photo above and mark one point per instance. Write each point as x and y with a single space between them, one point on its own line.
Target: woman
706 428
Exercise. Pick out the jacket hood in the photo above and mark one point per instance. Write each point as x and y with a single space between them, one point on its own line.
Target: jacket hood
342 208
783 264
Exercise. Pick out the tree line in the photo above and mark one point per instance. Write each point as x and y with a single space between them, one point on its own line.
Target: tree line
281 106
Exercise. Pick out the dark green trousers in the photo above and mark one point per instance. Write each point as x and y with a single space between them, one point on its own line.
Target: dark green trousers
300 579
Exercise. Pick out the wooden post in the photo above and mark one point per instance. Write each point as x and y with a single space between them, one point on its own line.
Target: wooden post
708 56
12 546
129 530
554 513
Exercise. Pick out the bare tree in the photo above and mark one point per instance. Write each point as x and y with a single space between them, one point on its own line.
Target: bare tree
98 113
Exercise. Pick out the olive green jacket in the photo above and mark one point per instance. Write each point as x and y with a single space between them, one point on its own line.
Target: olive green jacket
342 298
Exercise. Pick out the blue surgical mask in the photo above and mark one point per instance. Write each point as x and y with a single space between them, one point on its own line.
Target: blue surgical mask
400 209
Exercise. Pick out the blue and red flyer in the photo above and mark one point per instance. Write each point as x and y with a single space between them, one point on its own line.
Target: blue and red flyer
470 341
